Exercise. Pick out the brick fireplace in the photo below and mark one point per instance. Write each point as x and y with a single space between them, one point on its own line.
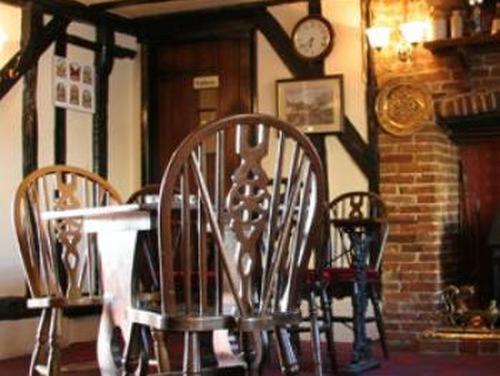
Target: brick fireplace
421 182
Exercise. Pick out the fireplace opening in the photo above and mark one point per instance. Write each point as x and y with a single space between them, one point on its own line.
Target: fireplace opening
480 204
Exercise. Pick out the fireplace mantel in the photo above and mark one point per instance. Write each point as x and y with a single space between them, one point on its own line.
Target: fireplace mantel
472 128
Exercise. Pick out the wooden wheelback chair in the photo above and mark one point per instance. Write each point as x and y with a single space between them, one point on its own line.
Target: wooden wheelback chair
244 244
60 264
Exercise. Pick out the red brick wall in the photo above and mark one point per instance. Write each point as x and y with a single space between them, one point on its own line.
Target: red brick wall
419 183
419 180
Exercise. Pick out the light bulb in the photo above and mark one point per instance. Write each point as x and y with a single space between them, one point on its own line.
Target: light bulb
379 36
413 32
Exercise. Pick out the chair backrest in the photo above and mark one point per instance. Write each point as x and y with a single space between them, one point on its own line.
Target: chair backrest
147 193
240 237
58 260
367 207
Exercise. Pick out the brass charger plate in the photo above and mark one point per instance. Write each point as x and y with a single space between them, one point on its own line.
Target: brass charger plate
403 107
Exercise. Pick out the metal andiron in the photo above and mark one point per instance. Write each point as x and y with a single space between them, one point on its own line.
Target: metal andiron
456 311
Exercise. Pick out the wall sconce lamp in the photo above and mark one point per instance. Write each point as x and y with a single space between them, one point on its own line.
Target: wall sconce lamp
405 38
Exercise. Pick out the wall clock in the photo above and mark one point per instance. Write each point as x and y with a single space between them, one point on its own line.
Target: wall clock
313 37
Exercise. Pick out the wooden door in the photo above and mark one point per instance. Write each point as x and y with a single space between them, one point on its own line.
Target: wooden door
481 201
181 106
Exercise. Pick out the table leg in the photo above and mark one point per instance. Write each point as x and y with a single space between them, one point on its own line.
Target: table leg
362 356
116 254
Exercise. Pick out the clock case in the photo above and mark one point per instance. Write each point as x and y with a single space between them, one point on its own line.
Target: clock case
327 49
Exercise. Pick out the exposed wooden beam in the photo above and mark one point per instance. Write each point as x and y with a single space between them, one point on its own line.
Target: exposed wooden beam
282 44
358 149
77 11
371 91
171 28
119 52
60 114
31 25
149 121
106 5
229 12
23 60
103 65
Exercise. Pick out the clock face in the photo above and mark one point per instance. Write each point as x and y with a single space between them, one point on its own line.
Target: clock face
313 37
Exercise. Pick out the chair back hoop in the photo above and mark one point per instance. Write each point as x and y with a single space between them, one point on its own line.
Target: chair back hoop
58 260
370 210
144 194
233 237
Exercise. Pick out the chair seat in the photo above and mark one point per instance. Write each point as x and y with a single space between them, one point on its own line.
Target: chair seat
156 319
62 302
180 323
336 275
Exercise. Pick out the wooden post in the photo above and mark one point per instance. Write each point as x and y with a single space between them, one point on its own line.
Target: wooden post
371 91
319 140
60 115
31 24
103 67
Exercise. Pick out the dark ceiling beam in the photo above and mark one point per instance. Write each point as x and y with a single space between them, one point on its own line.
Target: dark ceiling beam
17 3
119 52
106 5
79 12
236 8
174 27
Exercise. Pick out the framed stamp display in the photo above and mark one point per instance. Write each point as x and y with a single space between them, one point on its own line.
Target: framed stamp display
73 85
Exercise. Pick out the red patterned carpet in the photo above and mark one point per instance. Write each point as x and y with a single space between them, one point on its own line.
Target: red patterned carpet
400 364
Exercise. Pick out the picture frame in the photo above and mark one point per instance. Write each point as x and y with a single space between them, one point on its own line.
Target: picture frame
73 85
313 105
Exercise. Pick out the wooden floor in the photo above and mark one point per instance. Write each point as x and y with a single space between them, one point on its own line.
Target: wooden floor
400 364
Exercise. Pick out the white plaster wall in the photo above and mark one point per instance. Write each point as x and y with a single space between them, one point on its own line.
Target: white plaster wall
124 159
11 275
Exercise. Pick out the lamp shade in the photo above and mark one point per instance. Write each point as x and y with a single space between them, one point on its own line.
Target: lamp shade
378 36
413 32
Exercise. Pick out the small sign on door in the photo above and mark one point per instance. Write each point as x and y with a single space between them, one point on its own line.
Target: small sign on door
205 82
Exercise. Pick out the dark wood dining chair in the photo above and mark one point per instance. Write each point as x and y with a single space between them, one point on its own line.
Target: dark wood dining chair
339 274
244 244
60 264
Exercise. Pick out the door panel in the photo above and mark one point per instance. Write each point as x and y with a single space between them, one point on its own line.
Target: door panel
182 108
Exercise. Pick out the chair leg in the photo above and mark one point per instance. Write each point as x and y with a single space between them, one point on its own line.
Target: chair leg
375 299
39 355
160 350
295 337
251 343
316 343
54 360
287 357
191 364
132 350
329 329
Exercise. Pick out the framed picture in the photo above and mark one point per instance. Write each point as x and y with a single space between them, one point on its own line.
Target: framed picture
73 85
314 105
